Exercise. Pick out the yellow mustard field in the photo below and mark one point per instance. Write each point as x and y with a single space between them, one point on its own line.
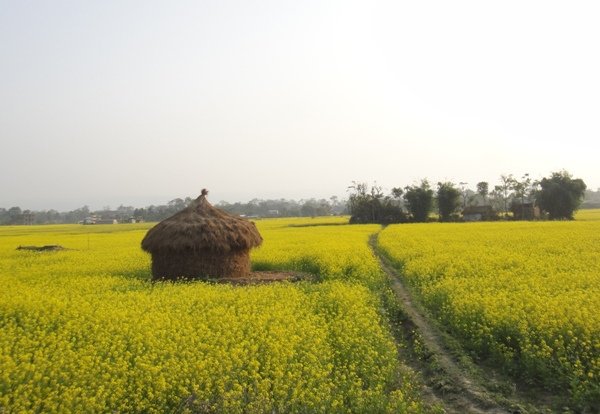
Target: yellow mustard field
84 330
333 252
588 215
273 223
525 294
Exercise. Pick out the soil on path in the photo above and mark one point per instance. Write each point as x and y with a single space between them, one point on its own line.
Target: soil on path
446 382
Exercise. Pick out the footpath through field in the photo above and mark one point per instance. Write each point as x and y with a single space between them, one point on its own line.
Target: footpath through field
447 383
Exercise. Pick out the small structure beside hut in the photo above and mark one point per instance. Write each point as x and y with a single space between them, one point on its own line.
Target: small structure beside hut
525 211
201 242
479 213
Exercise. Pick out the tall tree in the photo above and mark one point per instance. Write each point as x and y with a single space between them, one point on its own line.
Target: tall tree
483 189
397 192
376 197
419 200
15 215
504 191
359 202
560 195
464 192
448 200
521 190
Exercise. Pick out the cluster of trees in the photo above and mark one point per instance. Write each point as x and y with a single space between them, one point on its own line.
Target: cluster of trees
370 205
411 203
286 208
254 208
591 199
558 196
15 215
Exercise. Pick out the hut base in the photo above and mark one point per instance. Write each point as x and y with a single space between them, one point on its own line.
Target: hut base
200 265
265 277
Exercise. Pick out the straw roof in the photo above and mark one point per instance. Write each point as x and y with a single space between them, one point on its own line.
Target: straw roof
200 226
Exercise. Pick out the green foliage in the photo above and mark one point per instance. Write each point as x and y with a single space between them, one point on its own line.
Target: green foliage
522 189
370 205
483 189
419 200
560 195
448 200
502 191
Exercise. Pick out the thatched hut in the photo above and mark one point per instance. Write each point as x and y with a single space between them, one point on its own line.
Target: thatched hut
201 242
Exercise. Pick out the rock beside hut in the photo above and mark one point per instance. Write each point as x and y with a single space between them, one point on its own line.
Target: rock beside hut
201 242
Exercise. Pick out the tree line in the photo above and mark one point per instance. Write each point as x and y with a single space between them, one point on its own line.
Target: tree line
286 208
557 197
254 208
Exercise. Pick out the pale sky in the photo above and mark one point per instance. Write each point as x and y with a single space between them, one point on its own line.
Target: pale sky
137 103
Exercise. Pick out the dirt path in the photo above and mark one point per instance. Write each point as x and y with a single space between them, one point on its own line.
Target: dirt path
447 383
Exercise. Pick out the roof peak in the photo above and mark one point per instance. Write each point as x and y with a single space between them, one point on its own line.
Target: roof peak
200 226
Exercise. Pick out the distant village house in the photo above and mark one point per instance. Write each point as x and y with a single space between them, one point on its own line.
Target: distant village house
97 220
479 213
525 211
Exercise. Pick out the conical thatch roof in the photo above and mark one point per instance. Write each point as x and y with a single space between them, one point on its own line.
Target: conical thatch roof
200 226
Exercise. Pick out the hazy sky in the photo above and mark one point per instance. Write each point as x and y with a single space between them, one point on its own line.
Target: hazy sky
111 102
